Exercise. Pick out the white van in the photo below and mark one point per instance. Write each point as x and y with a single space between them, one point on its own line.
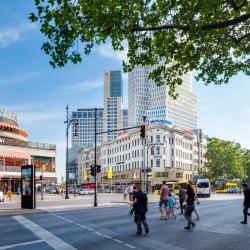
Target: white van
203 187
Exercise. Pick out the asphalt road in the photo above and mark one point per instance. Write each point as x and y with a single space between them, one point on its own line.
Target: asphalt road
113 228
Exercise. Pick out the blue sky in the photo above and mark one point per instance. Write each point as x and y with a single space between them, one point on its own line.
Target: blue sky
39 94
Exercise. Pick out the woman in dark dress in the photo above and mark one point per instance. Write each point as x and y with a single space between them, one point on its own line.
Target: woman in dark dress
189 200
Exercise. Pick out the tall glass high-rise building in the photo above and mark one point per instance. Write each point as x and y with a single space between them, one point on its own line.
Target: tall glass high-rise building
86 127
113 114
147 99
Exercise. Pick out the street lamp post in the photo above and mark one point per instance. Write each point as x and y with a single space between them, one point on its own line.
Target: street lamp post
68 123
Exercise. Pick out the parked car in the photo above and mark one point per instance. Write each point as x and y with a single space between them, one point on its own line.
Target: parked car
71 190
53 191
91 191
233 190
83 191
203 188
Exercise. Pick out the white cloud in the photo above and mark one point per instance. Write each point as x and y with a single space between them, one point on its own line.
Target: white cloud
106 50
83 86
19 78
12 35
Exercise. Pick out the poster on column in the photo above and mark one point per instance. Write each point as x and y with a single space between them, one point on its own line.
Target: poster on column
28 199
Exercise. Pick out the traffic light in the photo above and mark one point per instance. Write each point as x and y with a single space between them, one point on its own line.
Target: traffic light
92 170
142 131
98 169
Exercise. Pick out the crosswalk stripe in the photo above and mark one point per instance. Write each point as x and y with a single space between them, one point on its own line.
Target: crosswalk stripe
52 240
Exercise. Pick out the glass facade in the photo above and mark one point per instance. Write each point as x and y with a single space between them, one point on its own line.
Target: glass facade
86 127
115 84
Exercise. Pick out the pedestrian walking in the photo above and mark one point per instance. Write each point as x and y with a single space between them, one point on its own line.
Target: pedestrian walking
189 201
125 193
246 202
132 199
195 208
9 194
164 196
130 192
171 206
182 194
140 204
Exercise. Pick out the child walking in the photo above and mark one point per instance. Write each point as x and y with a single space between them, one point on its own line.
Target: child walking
171 206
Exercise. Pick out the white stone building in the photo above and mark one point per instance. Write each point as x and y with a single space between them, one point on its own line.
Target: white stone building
169 153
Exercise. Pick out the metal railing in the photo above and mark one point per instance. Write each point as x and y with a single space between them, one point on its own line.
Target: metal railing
39 145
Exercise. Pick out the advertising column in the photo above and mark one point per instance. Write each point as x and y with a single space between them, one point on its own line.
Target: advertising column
28 187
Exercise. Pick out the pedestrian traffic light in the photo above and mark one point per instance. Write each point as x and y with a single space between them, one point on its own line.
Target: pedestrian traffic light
142 131
98 169
92 170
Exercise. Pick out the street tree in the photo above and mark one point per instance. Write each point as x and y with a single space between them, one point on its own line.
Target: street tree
224 159
246 164
175 36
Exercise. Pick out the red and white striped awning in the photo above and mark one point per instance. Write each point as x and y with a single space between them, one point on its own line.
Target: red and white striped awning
6 125
14 154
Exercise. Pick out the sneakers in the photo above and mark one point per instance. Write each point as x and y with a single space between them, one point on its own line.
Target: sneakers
146 230
188 227
193 224
243 222
139 233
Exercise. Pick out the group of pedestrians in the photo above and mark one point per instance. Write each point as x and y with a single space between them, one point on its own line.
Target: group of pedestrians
187 202
167 204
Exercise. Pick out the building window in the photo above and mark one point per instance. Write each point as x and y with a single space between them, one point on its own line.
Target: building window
158 163
158 138
158 150
179 175
152 163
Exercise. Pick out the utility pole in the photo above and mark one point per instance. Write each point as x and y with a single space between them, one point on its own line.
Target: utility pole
67 149
68 122
95 198
144 154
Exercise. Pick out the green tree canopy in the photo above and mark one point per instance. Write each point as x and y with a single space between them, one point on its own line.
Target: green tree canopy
175 36
224 159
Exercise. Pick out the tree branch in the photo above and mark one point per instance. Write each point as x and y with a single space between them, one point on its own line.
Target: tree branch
235 6
210 26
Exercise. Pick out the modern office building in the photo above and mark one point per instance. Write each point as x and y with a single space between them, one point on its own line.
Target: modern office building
86 127
125 118
113 114
147 99
16 151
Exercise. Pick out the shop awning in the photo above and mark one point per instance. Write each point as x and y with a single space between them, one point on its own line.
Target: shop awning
14 154
6 125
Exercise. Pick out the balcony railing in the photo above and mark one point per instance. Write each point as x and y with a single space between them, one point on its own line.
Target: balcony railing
39 145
